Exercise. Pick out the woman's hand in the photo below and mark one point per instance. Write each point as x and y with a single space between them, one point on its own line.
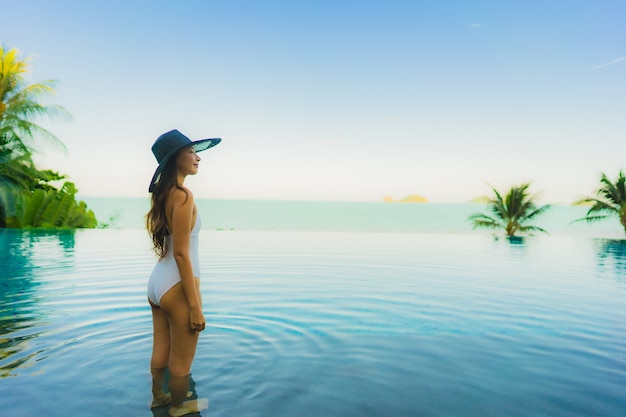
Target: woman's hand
196 319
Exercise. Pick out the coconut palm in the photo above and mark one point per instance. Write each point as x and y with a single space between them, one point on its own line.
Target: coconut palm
511 213
19 107
611 201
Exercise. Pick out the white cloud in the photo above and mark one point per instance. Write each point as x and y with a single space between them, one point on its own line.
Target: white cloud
608 64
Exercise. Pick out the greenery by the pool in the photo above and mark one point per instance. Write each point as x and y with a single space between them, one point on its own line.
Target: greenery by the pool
28 196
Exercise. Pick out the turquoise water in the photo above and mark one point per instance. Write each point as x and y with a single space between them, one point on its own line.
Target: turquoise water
323 323
346 216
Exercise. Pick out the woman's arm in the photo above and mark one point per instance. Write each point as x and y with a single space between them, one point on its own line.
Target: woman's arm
182 223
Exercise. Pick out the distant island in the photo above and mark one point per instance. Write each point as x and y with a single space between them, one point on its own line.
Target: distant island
413 198
483 199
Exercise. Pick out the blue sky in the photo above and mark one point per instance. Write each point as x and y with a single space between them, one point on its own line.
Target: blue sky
334 100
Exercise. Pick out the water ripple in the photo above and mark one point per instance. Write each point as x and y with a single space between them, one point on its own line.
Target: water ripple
334 323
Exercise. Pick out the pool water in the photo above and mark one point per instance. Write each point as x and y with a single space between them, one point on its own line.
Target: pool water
322 324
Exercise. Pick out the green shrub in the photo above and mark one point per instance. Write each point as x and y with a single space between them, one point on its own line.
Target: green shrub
52 209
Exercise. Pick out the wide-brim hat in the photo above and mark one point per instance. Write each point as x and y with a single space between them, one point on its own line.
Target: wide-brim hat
168 144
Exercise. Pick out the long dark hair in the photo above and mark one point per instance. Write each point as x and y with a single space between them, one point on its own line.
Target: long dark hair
156 220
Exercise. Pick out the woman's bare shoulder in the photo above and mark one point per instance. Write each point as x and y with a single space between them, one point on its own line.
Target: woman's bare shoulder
181 197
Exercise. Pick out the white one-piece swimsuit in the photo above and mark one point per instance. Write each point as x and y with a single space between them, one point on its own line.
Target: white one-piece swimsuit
165 273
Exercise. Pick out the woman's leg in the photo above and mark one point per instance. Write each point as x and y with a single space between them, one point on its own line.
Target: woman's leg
160 356
183 349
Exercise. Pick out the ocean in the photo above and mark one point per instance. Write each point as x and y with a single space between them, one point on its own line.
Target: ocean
274 215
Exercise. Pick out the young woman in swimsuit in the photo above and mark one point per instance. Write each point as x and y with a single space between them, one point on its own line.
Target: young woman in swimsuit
174 285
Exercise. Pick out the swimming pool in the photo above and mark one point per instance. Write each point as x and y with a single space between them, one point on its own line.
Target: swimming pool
322 324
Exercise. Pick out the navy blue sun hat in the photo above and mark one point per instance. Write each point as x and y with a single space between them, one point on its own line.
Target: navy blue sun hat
168 144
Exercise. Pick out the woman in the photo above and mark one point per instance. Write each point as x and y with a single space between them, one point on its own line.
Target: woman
174 286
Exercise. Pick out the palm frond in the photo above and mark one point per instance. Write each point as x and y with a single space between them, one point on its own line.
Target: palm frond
537 211
526 229
591 219
482 220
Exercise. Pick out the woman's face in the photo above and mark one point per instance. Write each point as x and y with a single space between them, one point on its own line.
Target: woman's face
187 161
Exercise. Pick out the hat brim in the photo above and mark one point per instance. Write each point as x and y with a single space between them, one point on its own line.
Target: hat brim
198 146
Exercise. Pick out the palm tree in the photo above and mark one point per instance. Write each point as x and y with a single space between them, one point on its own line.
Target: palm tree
511 212
18 108
611 201
19 105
